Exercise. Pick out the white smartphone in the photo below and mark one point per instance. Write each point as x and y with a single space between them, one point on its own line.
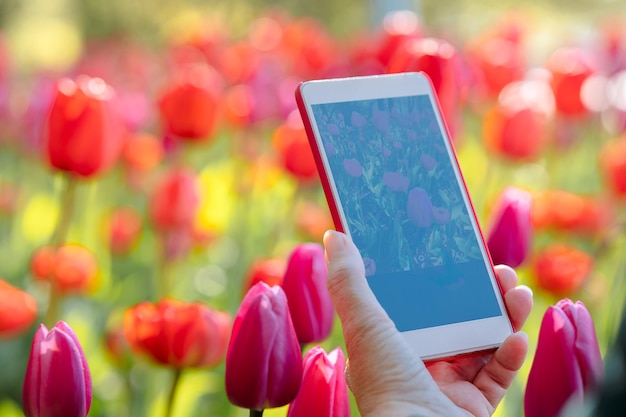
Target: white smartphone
393 184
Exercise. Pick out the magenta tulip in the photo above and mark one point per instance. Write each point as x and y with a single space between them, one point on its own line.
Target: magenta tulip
264 362
304 283
567 364
509 239
57 382
324 391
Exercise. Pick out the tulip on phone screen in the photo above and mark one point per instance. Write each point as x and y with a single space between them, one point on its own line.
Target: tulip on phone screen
510 234
324 391
57 381
264 362
305 286
567 366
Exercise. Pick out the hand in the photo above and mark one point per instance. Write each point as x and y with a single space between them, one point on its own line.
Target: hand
384 374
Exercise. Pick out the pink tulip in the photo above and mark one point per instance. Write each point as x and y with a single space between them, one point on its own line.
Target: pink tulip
324 391
567 363
57 382
304 284
510 235
263 363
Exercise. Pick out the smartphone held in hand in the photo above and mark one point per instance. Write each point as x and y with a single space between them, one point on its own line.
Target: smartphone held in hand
393 184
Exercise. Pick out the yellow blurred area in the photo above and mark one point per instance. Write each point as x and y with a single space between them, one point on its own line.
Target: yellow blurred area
218 197
42 35
40 218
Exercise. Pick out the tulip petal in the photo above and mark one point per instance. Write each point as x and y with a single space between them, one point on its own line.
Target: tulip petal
32 381
555 375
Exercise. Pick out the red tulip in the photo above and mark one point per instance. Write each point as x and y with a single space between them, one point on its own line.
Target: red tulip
57 381
18 310
264 362
83 131
570 67
305 286
71 268
517 127
510 236
178 334
189 104
613 165
439 60
567 365
124 226
292 146
561 269
324 391
174 201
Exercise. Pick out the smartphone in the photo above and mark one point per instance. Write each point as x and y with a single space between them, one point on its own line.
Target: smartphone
393 184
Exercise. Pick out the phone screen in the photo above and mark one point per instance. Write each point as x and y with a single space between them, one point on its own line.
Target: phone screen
405 210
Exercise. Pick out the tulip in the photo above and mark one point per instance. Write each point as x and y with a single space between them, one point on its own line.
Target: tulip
570 67
419 208
270 271
70 268
174 201
324 391
189 104
124 226
561 269
178 334
353 167
18 310
294 152
264 362
510 235
516 127
305 286
567 365
57 381
83 132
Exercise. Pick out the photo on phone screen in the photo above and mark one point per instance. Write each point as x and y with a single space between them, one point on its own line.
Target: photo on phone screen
405 209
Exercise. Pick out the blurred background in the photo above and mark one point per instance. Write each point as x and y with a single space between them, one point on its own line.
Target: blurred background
534 94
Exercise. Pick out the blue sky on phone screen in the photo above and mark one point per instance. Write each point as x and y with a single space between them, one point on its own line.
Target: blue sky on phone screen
405 210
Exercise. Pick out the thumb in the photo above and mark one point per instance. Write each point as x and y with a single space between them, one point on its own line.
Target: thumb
355 303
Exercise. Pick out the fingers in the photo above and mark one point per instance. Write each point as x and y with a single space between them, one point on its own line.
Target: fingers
498 374
517 298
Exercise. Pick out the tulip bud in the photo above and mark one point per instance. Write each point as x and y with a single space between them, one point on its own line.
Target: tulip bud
510 234
83 131
178 334
305 286
324 391
18 310
57 381
71 268
264 362
567 365
174 201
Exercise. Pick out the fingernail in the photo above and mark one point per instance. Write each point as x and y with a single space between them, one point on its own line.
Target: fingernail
334 243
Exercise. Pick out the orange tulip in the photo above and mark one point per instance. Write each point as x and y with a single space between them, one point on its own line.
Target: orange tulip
18 310
83 131
71 268
269 271
178 334
561 269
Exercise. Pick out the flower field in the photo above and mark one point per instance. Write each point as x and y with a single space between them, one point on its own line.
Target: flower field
146 189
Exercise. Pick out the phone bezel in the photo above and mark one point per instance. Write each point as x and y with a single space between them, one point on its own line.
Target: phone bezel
435 342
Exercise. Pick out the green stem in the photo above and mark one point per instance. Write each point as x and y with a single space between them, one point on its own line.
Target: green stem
54 306
66 213
256 413
172 394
